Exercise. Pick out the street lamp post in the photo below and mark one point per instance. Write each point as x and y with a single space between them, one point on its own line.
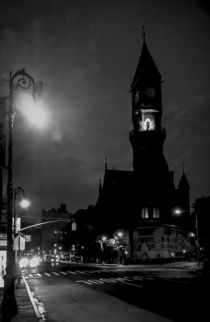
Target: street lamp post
17 191
23 80
198 241
24 203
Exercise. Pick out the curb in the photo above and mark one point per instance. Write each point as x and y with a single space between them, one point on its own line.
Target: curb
33 302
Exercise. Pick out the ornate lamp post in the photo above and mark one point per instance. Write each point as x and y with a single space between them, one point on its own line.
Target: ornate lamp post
24 203
23 80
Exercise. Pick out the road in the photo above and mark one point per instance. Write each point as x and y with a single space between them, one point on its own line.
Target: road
173 293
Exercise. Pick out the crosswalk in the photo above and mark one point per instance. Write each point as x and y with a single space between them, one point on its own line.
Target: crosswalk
90 277
98 278
69 272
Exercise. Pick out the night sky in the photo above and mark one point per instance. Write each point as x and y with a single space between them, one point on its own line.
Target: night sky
86 53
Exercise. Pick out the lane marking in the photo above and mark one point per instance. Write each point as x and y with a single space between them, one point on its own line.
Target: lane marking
82 281
38 315
108 280
64 273
131 284
96 281
124 280
70 272
82 272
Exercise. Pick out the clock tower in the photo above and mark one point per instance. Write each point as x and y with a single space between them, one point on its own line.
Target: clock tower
143 202
147 136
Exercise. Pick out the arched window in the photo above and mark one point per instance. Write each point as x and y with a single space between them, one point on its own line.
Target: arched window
156 213
148 120
144 213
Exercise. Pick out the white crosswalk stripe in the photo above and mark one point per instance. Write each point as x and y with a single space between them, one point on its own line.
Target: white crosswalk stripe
82 272
47 274
55 273
38 274
70 272
63 273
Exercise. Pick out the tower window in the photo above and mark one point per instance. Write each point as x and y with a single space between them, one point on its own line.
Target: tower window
156 213
144 213
148 122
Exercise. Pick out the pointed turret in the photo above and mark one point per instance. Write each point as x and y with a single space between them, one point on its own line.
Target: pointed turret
100 187
146 69
183 184
184 193
146 93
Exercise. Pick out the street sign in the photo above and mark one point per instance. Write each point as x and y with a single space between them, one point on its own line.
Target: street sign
19 243
17 223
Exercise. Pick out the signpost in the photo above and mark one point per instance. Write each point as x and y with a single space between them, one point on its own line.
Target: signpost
19 243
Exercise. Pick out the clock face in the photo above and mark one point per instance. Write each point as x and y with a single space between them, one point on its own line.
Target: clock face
150 92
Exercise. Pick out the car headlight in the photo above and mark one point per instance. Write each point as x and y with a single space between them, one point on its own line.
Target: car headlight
34 261
23 262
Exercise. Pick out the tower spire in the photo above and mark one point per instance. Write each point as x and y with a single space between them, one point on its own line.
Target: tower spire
146 69
143 32
106 163
182 167
100 187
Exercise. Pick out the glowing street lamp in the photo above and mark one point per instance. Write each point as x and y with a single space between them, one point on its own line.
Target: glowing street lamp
25 203
119 234
18 80
33 110
103 238
177 211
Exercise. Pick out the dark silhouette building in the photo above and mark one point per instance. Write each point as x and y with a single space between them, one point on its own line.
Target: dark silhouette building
51 232
144 203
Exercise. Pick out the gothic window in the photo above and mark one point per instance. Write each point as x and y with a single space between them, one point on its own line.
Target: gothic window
144 213
156 213
148 121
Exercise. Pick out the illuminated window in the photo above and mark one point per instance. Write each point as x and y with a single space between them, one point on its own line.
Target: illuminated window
156 213
148 121
144 213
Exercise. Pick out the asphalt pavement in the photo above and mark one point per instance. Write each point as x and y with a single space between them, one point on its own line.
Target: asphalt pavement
83 304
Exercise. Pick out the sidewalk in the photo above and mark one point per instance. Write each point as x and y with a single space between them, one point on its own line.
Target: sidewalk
26 312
